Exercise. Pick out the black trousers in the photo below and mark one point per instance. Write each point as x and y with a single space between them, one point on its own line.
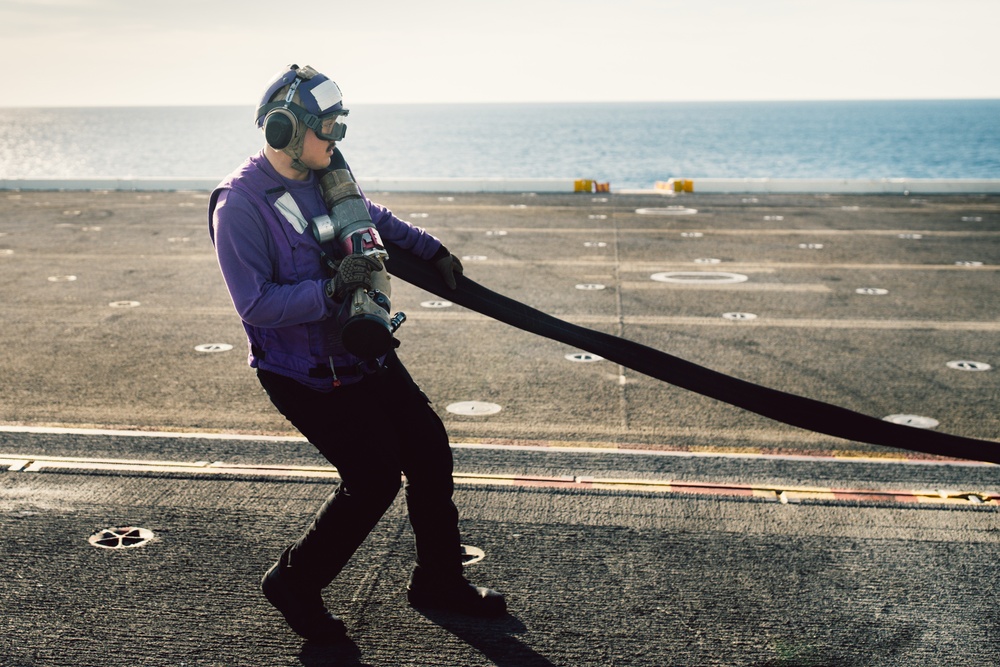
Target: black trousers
372 432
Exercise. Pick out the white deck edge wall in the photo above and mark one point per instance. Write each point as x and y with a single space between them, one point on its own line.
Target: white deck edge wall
900 186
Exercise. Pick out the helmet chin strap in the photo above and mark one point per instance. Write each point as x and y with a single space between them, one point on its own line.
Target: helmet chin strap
294 151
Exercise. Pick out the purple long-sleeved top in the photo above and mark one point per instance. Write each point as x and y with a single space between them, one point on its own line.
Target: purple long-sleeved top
272 267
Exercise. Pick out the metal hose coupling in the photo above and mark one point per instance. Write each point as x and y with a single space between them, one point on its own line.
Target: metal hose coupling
364 317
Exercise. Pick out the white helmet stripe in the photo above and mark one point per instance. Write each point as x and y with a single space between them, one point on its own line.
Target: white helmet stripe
327 95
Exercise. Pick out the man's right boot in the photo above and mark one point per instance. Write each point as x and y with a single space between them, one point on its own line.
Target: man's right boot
301 604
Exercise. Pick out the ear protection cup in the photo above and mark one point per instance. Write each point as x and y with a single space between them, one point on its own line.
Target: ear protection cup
280 128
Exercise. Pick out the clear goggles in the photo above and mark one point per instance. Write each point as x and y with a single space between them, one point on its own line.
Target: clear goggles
329 128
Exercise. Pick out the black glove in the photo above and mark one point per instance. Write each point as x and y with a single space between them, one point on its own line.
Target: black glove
354 271
448 266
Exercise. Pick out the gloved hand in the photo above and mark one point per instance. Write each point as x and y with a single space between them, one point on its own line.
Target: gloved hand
354 271
448 266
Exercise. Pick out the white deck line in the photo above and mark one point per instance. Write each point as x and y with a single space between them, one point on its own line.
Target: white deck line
54 430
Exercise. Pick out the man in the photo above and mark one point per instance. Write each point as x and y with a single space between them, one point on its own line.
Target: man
366 416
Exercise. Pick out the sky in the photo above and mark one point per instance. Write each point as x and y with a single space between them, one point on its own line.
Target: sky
67 53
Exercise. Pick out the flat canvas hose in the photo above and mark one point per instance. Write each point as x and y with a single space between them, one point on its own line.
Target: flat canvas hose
781 406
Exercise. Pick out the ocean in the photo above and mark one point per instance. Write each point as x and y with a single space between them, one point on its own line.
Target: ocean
630 145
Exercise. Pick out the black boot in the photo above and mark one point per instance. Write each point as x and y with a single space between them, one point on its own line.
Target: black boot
301 605
453 593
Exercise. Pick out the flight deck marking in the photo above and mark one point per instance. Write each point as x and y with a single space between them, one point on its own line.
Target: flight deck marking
685 321
18 462
130 536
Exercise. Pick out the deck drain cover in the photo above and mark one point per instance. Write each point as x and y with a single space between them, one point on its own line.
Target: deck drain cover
584 357
739 316
915 421
969 365
121 538
699 277
473 408
213 347
472 554
435 304
670 210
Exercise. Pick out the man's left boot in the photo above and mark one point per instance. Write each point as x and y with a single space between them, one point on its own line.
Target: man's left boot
453 593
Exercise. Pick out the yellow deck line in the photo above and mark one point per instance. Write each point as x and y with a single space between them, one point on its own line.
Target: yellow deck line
782 494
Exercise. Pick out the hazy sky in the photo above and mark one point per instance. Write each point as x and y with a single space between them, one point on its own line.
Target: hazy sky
132 52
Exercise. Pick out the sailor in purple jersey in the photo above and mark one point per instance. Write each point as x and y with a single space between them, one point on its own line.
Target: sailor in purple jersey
367 417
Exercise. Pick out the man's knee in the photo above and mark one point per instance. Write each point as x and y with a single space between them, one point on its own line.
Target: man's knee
375 489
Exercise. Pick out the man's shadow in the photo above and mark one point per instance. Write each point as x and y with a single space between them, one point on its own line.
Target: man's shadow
493 637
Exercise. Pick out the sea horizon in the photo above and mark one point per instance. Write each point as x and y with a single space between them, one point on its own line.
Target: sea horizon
628 144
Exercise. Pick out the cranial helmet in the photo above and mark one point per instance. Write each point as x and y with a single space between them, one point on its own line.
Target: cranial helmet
299 98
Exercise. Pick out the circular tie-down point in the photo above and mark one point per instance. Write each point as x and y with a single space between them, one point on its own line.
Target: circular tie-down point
739 316
669 210
124 304
435 304
121 538
472 555
213 347
583 357
916 421
473 408
966 365
699 277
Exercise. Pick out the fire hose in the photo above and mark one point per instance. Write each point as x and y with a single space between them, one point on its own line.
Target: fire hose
799 411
